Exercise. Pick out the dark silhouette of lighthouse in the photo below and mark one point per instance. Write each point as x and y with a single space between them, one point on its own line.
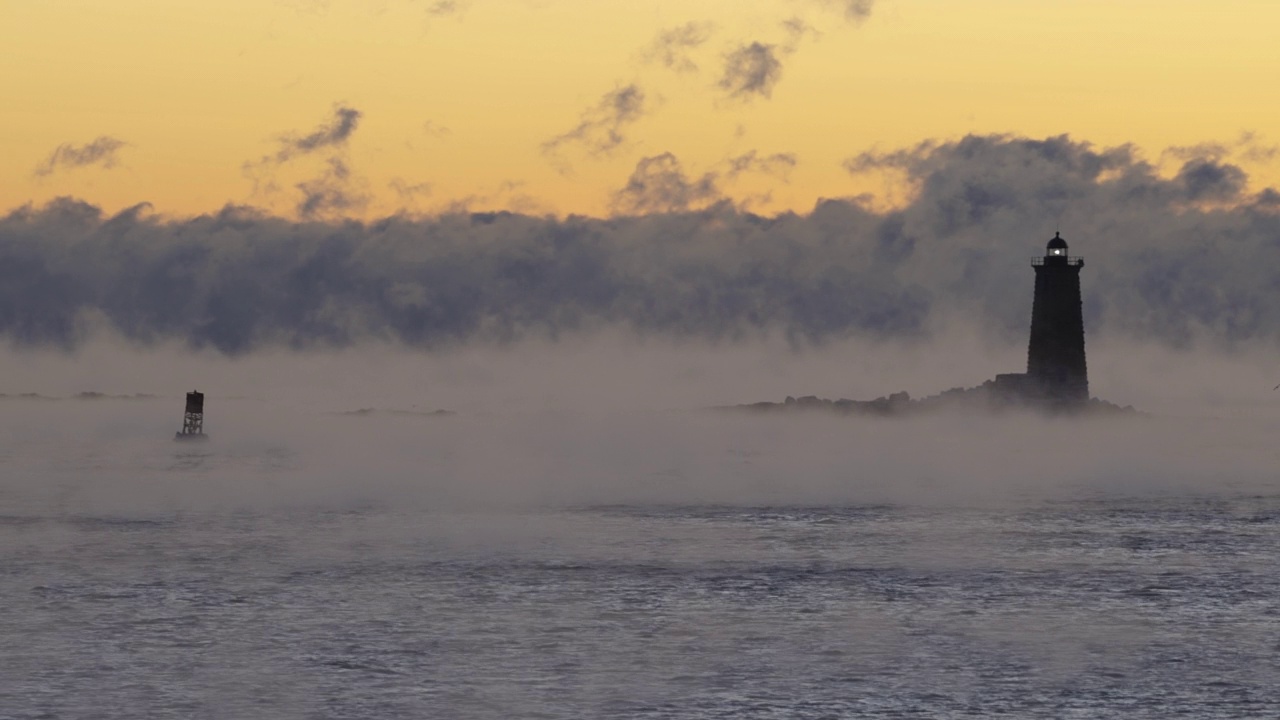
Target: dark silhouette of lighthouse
1057 377
1056 369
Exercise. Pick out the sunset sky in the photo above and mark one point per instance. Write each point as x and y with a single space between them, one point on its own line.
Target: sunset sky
364 108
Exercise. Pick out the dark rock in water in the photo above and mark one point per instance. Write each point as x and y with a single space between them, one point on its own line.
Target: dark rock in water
26 396
1004 393
367 412
84 395
897 403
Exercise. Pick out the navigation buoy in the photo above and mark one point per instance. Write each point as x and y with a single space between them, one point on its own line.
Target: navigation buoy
193 419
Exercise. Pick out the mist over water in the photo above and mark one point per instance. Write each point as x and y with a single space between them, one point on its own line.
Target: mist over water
582 537
614 420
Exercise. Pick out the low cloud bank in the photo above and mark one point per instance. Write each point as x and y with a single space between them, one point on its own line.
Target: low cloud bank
1172 259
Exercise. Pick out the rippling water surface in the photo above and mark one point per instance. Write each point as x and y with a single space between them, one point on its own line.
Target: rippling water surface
1118 608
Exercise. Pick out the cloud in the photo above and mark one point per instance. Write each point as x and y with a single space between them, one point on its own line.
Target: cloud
751 71
671 48
445 7
1173 258
659 184
1179 257
601 127
409 193
101 152
435 129
778 165
797 29
509 194
1248 147
1210 180
331 193
854 10
333 134
857 10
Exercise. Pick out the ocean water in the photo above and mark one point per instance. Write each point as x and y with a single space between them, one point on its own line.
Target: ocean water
312 565
1095 609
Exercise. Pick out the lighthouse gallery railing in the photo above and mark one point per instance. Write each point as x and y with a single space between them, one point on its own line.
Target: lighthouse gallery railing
1074 260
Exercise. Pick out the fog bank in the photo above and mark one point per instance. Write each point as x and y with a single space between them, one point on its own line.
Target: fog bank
611 420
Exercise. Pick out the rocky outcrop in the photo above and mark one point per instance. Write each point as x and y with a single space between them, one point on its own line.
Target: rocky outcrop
1003 394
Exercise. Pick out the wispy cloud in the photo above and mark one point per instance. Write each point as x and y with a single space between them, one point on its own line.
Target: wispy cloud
797 29
659 184
1248 147
332 134
332 192
601 127
854 10
445 7
409 193
673 47
102 152
435 129
510 194
778 165
751 71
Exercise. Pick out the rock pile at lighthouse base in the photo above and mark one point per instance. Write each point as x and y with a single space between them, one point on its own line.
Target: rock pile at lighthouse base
989 397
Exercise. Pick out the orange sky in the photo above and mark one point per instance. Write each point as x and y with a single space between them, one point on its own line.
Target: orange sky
457 108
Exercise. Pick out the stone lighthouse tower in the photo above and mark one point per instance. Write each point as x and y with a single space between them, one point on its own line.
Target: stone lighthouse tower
1056 367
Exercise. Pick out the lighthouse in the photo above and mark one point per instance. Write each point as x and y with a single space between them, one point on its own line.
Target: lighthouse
1056 367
